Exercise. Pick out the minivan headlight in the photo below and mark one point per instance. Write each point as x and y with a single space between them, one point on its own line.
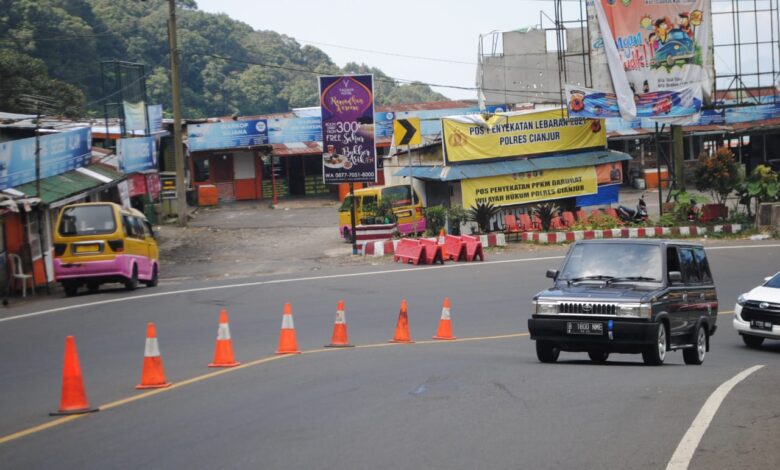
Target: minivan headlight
634 310
742 299
546 308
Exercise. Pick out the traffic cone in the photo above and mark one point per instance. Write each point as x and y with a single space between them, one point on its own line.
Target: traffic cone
287 342
153 375
223 352
339 339
441 237
74 398
402 327
445 325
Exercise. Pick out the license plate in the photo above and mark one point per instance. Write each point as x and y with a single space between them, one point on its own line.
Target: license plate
584 328
87 248
761 325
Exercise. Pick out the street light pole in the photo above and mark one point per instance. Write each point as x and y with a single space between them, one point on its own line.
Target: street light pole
181 195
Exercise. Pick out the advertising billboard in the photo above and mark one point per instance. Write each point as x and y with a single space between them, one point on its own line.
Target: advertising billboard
658 56
227 135
347 104
59 153
136 154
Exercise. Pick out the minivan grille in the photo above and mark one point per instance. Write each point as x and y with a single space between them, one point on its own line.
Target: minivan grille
587 308
751 313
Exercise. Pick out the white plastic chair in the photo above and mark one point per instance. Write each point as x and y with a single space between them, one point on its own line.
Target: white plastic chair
17 272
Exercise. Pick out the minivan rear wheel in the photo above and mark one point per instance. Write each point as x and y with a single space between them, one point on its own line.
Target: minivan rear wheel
695 355
71 288
547 352
154 280
132 283
655 354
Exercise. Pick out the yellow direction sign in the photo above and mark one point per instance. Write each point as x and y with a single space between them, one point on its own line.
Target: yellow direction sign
407 131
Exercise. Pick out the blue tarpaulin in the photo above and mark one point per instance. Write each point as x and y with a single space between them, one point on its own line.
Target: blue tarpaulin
607 194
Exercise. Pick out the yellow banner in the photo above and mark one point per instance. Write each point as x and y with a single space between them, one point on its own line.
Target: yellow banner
535 186
473 138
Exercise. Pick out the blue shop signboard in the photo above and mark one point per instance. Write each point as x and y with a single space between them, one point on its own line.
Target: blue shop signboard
226 135
59 153
136 154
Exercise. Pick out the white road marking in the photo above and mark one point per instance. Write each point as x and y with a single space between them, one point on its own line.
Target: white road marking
263 283
313 278
690 441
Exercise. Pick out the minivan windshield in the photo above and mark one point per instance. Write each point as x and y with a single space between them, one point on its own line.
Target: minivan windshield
87 220
614 261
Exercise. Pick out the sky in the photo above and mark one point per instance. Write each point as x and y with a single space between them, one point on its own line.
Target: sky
432 41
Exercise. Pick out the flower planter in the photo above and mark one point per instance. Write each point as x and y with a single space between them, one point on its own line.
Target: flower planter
713 212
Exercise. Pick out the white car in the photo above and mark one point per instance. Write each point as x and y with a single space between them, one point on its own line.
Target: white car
757 313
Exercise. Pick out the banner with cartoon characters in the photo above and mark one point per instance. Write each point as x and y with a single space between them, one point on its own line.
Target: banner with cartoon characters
658 58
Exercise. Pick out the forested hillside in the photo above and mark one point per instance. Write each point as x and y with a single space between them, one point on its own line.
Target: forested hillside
54 48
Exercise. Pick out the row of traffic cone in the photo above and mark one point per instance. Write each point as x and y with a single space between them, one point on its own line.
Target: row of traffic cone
74 398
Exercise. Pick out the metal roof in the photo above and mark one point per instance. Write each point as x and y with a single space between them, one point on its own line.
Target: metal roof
508 167
56 188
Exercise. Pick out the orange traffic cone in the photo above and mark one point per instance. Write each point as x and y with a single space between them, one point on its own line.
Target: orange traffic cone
223 353
153 375
402 327
287 342
445 325
339 339
74 398
441 237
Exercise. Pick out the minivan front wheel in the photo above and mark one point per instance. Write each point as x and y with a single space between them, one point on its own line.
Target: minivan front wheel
695 355
71 288
547 352
154 280
752 341
655 354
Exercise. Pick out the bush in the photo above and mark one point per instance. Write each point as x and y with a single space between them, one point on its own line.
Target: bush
436 217
481 214
546 212
718 174
457 215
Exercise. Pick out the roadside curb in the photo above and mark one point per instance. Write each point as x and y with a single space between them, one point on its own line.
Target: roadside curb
634 232
387 247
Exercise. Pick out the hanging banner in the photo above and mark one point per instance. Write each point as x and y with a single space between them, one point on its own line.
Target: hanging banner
155 112
659 46
683 102
523 188
59 153
135 116
136 154
347 104
227 135
490 137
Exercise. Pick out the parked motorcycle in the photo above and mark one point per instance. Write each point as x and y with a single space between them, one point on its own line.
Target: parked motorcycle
639 214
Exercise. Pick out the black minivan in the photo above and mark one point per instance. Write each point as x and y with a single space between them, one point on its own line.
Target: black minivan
629 297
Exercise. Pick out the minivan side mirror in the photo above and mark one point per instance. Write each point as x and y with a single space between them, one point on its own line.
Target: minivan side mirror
675 277
552 273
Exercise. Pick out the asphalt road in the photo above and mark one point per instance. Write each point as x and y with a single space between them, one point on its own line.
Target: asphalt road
483 401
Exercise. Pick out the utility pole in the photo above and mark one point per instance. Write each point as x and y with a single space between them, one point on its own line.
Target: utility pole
181 195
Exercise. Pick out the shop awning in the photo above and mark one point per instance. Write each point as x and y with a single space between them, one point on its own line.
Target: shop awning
61 187
508 167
